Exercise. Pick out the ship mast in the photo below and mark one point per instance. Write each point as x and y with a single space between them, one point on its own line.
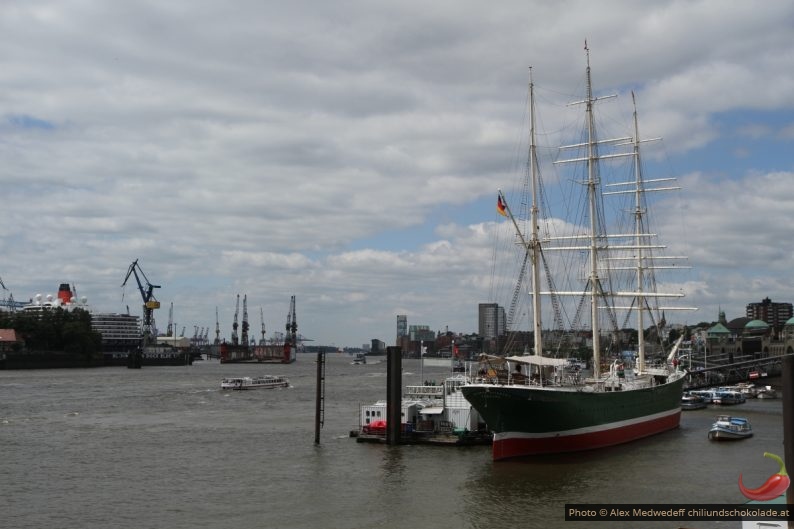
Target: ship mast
531 246
534 241
638 214
592 167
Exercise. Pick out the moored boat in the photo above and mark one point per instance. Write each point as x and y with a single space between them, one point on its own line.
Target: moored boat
727 427
544 409
767 392
706 394
693 402
727 397
260 382
431 413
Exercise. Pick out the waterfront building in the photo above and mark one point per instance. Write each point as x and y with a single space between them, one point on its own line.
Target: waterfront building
378 347
421 333
402 327
773 313
492 321
10 340
120 332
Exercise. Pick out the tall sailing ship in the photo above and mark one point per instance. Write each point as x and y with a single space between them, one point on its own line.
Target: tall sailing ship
539 403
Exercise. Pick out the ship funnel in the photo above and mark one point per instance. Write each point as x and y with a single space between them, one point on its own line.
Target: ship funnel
65 293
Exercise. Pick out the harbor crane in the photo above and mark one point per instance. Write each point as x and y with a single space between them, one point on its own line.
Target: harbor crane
170 330
149 301
244 339
262 320
217 328
9 303
235 340
291 338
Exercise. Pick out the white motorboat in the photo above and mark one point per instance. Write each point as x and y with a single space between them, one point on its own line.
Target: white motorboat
728 427
261 382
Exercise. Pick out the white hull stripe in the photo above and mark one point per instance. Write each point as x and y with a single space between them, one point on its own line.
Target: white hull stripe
589 429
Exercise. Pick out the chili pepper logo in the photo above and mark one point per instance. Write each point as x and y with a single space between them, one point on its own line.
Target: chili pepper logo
773 487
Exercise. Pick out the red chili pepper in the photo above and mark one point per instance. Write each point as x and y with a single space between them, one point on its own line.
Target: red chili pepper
773 487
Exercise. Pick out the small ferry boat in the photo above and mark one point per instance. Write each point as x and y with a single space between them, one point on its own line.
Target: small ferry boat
262 382
693 402
359 359
728 427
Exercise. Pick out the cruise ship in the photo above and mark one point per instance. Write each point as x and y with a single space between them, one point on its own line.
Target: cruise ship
120 332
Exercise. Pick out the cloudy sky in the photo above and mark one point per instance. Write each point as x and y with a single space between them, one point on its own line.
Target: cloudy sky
349 152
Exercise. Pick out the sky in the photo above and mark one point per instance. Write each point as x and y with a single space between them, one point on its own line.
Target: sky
349 153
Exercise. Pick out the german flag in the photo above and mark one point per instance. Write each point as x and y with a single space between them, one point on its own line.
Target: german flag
500 207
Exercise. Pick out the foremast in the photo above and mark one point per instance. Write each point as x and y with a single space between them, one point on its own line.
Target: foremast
533 245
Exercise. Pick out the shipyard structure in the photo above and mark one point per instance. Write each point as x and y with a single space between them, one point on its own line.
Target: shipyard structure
244 349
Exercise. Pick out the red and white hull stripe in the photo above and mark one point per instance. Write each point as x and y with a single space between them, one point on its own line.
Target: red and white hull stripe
516 444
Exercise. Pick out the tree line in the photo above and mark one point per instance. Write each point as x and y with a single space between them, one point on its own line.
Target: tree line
54 330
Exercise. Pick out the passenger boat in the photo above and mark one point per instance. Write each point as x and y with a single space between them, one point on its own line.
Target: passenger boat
547 410
706 394
261 382
359 359
727 428
727 397
693 402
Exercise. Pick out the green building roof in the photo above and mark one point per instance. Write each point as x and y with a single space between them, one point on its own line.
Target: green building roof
718 329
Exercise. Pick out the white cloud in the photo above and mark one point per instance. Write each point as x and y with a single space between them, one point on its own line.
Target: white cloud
331 150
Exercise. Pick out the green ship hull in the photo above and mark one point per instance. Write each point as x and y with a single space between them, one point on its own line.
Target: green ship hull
530 420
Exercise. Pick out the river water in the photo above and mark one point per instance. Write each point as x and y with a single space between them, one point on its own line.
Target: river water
163 447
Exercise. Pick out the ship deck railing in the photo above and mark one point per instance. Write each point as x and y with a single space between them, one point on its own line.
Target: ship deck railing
424 391
504 380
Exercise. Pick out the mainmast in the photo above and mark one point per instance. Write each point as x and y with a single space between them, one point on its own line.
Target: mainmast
638 214
592 177
534 241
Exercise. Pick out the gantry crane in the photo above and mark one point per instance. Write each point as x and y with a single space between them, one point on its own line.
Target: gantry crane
149 301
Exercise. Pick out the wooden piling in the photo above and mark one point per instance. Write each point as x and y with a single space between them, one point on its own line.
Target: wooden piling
393 395
319 412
